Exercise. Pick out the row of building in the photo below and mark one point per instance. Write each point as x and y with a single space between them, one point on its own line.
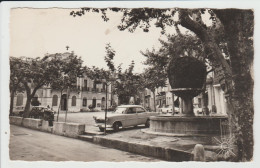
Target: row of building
89 96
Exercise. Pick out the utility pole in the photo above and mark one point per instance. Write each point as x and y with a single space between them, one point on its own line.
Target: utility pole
105 131
67 104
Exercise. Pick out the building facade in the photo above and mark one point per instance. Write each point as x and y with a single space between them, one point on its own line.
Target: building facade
87 93
215 98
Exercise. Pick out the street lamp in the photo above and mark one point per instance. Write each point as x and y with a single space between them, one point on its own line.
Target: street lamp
105 131
67 104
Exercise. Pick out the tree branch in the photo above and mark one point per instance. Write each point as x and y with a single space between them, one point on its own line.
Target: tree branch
207 39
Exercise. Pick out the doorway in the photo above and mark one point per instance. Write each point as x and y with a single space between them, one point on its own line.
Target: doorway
64 102
103 103
94 101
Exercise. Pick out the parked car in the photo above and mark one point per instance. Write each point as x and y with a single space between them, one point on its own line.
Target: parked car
125 116
37 112
168 109
197 110
18 111
42 112
111 108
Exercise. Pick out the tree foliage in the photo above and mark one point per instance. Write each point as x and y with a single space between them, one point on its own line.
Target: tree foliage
125 83
69 68
36 73
39 72
16 79
154 77
128 85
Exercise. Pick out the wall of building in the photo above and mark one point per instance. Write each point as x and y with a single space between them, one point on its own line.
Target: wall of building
215 98
46 97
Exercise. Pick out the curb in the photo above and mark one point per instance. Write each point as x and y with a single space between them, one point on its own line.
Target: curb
172 134
167 154
86 138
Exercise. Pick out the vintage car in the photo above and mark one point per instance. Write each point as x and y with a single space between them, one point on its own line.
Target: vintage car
125 116
197 111
168 109
18 111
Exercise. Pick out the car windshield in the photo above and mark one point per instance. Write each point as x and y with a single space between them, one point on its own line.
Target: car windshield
120 110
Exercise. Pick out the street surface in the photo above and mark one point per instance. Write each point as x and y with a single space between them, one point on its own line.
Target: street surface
31 145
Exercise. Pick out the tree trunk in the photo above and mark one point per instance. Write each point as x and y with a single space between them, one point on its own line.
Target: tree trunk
238 26
27 107
12 102
29 98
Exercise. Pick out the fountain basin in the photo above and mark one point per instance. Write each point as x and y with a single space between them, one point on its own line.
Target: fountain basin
199 125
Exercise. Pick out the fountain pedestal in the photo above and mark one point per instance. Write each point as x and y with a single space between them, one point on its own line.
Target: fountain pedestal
187 107
187 95
187 77
186 125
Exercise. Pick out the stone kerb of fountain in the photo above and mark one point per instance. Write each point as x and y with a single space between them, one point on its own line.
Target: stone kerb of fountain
186 76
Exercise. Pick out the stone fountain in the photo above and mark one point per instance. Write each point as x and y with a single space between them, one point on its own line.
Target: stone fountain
186 76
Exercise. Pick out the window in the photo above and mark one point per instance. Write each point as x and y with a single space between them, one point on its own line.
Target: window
54 100
85 84
94 85
73 102
19 101
131 111
140 110
199 102
94 101
84 104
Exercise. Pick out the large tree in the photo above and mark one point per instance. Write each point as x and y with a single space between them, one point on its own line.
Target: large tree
129 84
154 77
36 73
177 45
236 29
104 76
125 84
69 68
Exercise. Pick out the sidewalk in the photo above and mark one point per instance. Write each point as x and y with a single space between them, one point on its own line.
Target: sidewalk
170 148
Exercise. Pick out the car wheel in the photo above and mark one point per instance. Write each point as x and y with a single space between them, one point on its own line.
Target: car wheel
116 126
101 129
147 123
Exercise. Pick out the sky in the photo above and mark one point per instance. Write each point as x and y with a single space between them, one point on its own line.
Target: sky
35 32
